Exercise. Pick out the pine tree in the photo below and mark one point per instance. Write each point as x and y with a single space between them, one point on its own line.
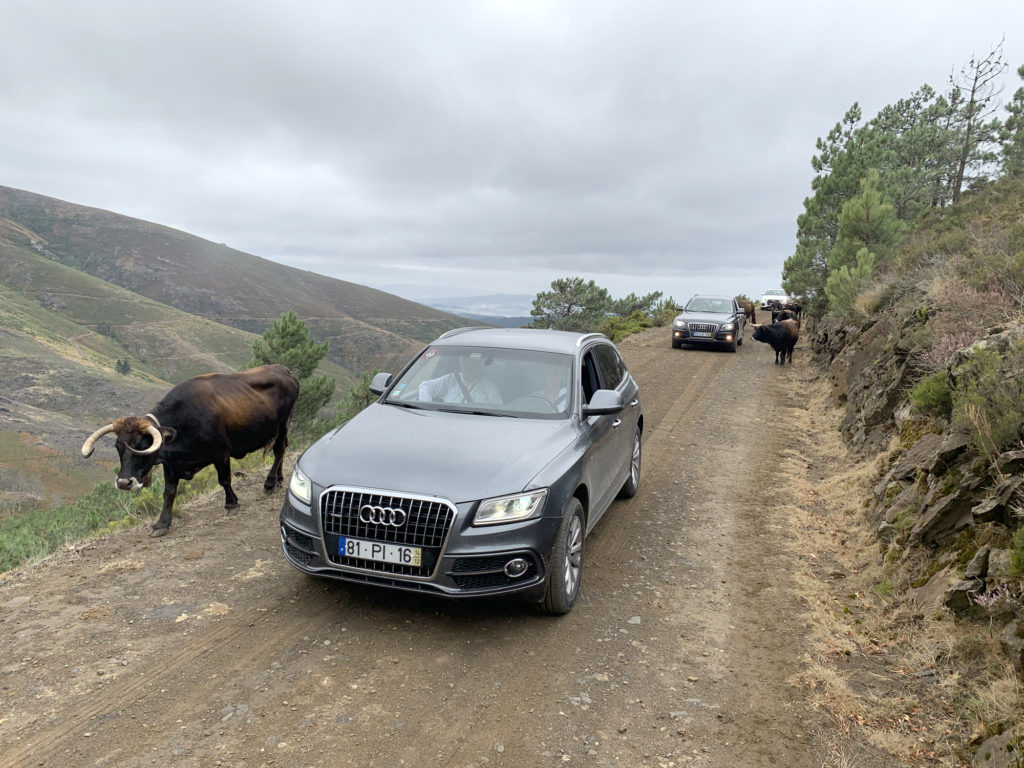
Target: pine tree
868 221
846 283
288 342
571 305
645 305
1011 136
973 96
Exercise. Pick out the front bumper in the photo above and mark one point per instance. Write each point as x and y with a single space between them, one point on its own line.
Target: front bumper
683 335
472 562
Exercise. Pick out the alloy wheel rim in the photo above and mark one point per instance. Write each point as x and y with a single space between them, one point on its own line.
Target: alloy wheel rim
573 556
634 469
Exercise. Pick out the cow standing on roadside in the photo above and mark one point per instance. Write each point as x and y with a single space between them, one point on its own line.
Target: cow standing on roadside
785 314
781 336
205 420
748 310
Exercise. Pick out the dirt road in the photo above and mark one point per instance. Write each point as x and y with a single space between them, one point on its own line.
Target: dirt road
205 648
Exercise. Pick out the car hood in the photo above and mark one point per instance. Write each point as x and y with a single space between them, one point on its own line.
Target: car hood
457 456
704 317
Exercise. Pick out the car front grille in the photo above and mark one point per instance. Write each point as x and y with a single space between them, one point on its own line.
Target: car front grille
703 327
427 524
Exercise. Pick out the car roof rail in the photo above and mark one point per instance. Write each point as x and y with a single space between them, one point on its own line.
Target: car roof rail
457 331
589 336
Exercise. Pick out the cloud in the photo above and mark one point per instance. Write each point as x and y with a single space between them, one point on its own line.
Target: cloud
502 143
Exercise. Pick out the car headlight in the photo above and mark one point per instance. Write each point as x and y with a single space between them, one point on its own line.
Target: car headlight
300 487
729 327
679 323
509 509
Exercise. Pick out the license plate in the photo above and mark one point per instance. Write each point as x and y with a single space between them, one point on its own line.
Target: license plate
703 334
379 551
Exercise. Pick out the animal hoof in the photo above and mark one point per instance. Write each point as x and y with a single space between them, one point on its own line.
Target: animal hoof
231 508
157 532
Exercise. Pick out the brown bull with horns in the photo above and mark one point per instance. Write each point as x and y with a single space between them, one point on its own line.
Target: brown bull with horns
205 420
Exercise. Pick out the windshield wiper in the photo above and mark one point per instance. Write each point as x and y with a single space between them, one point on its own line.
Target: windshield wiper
476 413
414 406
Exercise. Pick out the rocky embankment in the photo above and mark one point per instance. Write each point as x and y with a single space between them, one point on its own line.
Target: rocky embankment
942 498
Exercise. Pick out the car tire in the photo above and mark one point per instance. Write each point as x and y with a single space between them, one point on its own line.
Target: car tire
632 484
566 568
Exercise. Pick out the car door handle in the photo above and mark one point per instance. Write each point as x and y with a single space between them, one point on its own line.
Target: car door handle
616 423
634 404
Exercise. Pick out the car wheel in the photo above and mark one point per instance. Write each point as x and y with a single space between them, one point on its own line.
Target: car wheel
632 484
566 561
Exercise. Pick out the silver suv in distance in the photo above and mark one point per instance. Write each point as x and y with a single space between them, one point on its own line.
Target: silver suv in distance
479 470
714 320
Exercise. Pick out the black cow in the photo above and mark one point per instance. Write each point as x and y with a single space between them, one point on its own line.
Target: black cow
781 336
779 314
205 420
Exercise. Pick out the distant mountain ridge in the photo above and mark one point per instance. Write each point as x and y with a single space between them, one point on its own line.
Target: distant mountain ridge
83 290
366 328
491 305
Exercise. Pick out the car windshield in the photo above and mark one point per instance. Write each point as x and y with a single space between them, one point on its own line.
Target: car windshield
720 306
774 293
490 381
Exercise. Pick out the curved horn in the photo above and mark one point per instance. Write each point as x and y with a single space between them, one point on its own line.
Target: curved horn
91 440
158 440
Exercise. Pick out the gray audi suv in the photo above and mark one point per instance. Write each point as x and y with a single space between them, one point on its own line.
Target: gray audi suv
479 470
714 320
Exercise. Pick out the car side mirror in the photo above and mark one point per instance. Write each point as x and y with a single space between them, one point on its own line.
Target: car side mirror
604 402
380 382
680 308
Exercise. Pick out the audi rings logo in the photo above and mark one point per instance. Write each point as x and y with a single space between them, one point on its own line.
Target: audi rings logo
382 515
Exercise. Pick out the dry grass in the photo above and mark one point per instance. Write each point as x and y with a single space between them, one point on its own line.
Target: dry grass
904 678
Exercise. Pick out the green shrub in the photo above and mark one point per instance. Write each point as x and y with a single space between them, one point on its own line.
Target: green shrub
846 283
618 328
933 397
988 399
1017 552
33 534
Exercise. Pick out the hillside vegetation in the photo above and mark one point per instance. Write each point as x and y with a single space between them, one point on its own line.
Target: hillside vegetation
917 297
366 328
85 293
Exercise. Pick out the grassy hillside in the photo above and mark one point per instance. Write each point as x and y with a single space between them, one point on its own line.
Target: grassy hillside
61 334
82 288
367 328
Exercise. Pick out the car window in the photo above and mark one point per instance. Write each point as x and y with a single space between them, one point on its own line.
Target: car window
589 378
509 382
609 365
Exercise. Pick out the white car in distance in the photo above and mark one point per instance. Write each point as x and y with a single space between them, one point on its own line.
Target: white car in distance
773 296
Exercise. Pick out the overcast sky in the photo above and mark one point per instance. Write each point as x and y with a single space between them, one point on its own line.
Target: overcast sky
461 148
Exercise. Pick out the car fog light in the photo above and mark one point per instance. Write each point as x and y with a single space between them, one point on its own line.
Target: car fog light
516 567
728 337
